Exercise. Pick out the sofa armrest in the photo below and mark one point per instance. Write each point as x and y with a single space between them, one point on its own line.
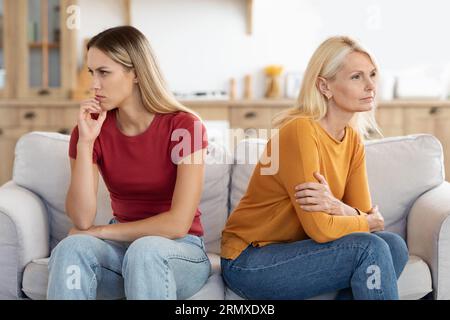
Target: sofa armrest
24 236
428 235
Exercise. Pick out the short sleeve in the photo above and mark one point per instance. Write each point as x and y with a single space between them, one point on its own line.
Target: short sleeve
73 146
188 136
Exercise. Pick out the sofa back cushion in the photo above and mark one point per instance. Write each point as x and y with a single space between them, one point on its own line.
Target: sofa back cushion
42 165
399 170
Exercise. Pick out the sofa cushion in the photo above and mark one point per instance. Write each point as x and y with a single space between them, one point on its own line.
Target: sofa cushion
42 165
399 170
214 201
246 155
35 280
414 283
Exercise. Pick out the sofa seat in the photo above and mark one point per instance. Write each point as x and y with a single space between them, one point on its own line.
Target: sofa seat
414 283
35 279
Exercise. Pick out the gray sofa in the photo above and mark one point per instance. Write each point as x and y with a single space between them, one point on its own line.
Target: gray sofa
406 178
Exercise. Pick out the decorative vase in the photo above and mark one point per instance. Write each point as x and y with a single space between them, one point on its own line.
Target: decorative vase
273 87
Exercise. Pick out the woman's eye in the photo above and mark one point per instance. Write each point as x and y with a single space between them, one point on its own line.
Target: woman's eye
373 75
356 76
103 73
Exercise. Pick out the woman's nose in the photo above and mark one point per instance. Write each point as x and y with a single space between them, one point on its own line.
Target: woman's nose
95 84
371 85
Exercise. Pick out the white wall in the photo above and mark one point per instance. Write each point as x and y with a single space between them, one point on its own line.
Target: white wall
202 43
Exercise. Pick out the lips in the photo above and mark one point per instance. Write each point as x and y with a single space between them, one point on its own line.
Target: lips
97 97
367 99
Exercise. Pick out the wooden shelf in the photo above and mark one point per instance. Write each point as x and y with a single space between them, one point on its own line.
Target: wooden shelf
50 45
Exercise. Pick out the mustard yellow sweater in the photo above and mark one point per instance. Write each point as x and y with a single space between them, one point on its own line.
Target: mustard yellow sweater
268 212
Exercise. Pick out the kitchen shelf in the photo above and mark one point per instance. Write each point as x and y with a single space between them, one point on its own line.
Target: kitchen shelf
50 45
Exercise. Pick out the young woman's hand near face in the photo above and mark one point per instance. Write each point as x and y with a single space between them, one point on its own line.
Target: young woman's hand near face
89 128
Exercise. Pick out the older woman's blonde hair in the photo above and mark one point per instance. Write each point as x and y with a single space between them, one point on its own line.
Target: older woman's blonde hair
326 62
127 46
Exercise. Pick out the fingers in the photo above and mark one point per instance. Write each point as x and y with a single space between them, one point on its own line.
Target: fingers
309 185
307 193
320 178
89 106
308 200
374 209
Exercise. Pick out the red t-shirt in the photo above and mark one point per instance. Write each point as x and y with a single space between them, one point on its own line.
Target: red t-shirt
138 170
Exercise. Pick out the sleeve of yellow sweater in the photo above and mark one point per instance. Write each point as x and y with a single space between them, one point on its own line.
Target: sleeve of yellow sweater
357 194
299 158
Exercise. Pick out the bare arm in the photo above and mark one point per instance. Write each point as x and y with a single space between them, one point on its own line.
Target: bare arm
81 200
171 224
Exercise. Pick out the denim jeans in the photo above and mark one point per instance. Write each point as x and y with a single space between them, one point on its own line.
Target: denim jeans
151 267
360 265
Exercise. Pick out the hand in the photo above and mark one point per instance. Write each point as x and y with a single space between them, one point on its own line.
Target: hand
93 231
313 196
375 220
89 128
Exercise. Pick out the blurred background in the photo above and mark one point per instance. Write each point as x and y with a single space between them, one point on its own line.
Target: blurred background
236 62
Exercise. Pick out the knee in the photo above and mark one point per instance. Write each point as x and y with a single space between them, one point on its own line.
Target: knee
72 246
397 245
372 243
150 249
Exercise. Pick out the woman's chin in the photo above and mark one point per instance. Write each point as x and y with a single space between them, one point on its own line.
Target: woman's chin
367 107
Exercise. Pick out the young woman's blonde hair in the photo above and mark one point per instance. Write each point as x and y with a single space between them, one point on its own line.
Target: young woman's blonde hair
127 46
326 62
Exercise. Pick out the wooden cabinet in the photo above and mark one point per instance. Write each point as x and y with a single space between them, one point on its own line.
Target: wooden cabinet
39 49
412 117
391 121
250 117
245 119
433 120
18 118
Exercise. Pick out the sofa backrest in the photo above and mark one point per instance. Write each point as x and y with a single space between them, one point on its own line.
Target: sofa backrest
42 165
399 170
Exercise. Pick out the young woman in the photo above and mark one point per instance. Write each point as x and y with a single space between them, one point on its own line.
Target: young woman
149 150
310 228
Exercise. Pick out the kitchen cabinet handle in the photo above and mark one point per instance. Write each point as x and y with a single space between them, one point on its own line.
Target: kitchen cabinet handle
250 131
250 115
433 110
30 115
44 92
1 131
63 131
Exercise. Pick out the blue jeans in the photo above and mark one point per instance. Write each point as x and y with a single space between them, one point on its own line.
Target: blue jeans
151 267
360 265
